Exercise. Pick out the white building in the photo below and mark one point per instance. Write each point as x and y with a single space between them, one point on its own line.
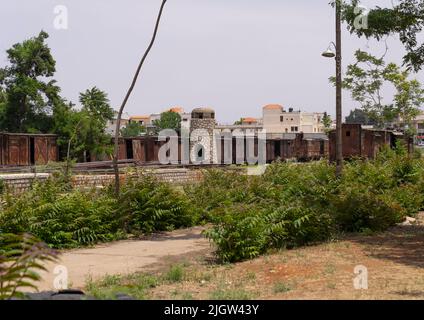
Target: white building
278 120
111 125
185 117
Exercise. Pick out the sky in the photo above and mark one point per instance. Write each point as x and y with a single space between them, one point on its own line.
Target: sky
231 55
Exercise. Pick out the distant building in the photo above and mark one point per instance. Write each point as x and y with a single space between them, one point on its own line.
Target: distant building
142 120
185 116
278 120
250 121
111 125
417 126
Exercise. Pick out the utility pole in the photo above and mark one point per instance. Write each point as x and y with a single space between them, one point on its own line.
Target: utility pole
339 134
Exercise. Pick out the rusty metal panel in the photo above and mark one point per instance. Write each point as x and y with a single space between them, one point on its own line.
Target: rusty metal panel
41 150
24 151
53 151
13 151
352 141
148 149
122 151
18 151
138 149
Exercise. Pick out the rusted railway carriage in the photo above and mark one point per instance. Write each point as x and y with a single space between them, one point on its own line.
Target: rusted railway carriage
300 146
359 142
303 147
143 149
27 149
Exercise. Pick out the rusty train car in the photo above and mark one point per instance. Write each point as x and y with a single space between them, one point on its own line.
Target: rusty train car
299 146
359 142
302 147
18 149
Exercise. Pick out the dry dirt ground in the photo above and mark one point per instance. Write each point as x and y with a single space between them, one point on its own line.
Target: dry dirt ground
181 265
122 257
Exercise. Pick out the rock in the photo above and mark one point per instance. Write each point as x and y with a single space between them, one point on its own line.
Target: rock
408 222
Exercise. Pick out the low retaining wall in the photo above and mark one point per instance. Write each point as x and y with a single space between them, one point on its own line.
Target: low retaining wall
18 183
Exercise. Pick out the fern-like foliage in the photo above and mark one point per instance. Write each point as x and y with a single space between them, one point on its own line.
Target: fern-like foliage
21 258
148 205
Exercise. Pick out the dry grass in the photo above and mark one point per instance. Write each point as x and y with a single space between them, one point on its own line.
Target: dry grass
395 263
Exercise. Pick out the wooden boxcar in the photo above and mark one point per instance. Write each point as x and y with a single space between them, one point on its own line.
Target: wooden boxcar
18 149
359 142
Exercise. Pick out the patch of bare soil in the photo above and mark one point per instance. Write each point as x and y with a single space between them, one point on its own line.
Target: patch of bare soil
394 261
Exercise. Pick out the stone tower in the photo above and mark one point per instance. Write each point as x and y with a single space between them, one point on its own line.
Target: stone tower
202 144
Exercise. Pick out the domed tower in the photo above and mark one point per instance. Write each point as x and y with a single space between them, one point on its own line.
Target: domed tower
202 143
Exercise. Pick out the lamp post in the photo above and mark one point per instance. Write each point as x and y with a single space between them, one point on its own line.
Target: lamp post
338 55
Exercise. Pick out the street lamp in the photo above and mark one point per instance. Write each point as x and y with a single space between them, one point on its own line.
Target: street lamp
338 55
329 53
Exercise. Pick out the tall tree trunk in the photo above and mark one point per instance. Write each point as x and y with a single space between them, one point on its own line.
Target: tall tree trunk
121 109
339 122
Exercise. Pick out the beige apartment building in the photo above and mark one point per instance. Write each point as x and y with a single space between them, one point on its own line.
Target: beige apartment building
278 120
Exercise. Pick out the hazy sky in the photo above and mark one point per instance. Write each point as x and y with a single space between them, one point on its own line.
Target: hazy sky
233 55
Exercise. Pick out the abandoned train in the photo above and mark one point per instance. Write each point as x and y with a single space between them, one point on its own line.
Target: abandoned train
39 149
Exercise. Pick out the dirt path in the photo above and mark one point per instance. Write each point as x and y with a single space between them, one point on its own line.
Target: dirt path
124 257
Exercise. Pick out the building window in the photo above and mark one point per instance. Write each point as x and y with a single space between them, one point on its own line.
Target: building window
294 129
347 133
281 118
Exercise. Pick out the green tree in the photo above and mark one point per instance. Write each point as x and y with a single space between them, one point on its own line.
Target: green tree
132 129
91 122
358 116
326 121
168 120
406 19
366 80
32 95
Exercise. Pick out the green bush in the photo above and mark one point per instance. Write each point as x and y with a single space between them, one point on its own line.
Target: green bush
149 206
61 220
356 210
298 204
290 205
239 232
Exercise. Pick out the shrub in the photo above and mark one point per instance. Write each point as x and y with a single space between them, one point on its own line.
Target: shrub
239 233
72 220
149 206
298 204
61 219
296 226
356 210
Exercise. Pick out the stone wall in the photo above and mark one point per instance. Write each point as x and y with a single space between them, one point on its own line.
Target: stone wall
202 137
18 183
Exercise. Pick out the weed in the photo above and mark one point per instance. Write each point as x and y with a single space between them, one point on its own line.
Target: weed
281 287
